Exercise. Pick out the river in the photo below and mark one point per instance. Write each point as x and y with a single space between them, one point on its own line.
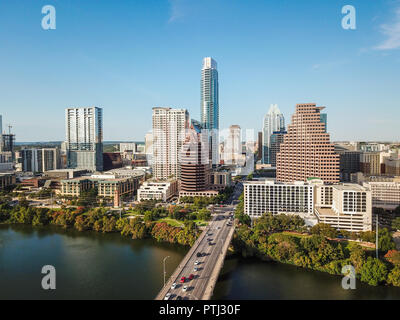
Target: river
90 265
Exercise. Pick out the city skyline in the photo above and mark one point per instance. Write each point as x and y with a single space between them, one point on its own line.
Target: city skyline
91 60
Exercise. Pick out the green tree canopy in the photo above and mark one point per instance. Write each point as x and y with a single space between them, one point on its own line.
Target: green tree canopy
373 271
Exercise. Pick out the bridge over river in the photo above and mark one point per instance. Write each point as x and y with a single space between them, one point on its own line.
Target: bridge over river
219 233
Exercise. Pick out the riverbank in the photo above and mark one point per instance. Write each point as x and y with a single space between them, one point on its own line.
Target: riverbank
318 253
100 220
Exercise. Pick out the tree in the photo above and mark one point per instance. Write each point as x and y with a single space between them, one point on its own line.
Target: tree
80 223
368 236
324 230
148 216
396 223
88 198
385 240
357 256
394 277
243 219
373 272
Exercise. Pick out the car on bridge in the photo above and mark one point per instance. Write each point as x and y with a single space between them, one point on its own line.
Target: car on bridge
167 296
195 269
173 286
184 289
196 262
191 276
183 279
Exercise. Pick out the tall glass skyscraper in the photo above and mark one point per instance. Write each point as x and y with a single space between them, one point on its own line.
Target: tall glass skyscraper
210 104
84 137
273 121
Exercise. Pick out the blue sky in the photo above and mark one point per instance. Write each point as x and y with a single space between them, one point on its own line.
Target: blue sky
130 55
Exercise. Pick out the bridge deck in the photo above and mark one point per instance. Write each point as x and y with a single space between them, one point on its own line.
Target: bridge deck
202 286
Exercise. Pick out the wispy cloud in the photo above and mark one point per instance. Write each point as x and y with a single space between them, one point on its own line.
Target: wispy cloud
392 33
328 65
177 10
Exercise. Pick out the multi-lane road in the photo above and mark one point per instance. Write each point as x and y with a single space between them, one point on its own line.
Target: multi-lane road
212 246
218 233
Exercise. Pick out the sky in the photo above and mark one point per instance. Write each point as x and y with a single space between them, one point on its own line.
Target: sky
128 56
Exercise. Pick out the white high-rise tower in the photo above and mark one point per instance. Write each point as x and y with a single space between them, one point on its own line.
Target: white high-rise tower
210 105
169 127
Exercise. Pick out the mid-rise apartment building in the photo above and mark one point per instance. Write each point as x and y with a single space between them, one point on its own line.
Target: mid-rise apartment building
40 160
6 179
262 197
220 179
370 163
385 194
106 187
155 190
392 166
343 206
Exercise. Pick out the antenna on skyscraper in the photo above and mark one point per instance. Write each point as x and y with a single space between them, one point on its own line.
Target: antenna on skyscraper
9 128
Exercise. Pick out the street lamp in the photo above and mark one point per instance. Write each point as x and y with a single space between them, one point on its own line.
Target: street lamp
164 268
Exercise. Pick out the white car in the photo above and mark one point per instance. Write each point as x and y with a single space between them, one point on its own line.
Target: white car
173 286
196 262
184 289
195 269
167 296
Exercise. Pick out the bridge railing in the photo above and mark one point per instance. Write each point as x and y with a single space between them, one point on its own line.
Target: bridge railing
218 266
175 274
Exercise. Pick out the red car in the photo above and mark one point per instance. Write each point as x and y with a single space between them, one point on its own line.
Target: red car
183 279
191 276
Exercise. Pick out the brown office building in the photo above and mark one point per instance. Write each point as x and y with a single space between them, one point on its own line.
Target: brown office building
370 163
307 151
195 172
111 160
